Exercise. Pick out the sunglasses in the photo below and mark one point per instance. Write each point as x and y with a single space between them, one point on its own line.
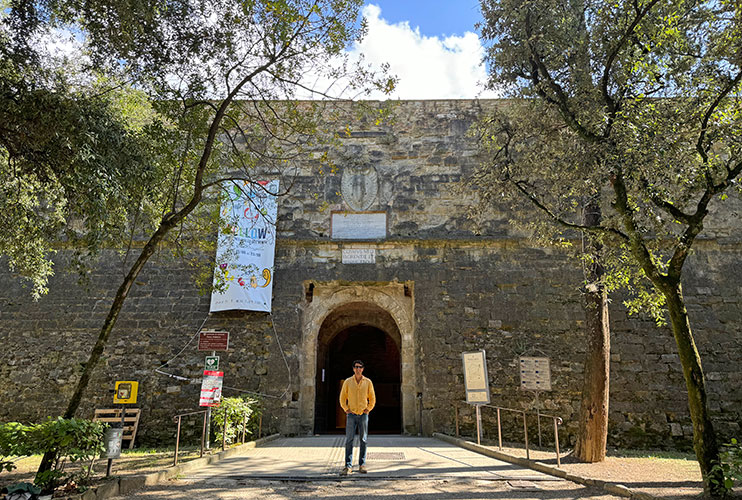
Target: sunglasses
357 366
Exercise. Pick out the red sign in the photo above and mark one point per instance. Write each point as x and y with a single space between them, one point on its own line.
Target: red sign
213 341
211 388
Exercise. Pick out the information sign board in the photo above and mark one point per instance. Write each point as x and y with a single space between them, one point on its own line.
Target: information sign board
476 380
213 341
211 388
535 374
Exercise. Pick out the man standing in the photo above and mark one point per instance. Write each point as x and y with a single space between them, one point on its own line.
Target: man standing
357 397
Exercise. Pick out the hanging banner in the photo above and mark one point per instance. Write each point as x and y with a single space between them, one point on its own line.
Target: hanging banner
243 278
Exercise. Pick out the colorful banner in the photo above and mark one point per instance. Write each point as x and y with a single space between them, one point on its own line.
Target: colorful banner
243 278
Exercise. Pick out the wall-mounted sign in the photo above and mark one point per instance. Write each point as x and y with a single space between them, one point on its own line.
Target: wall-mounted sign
476 380
213 341
211 363
126 392
359 256
535 374
211 388
358 225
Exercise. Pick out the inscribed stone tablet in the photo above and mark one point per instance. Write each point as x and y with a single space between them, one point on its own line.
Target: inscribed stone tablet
358 226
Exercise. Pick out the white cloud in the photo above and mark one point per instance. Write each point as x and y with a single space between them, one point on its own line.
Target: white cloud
427 67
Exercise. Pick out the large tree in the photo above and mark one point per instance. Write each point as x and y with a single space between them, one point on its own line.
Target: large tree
221 80
639 103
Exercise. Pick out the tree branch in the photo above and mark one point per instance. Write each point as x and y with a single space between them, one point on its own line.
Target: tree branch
610 103
702 150
520 186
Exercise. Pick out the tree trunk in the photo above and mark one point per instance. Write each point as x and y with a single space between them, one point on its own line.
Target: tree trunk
593 416
704 437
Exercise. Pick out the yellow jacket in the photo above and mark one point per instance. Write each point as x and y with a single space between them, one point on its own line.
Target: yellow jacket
357 396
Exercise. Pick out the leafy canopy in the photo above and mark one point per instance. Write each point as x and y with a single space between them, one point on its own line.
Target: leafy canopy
637 104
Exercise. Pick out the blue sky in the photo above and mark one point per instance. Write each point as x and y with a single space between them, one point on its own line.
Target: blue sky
433 17
431 46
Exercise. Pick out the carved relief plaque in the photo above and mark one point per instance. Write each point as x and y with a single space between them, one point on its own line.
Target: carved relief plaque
359 186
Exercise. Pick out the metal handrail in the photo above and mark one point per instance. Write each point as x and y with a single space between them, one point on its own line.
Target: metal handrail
556 420
177 434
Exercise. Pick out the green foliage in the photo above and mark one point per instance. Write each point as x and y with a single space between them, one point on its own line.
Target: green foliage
731 464
239 410
76 440
13 444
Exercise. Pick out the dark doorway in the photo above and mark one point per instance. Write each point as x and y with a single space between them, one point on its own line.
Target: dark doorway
381 356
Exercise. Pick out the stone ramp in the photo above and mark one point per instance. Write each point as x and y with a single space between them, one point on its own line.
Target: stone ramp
389 457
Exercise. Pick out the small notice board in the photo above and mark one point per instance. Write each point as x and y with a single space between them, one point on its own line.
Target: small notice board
476 381
535 374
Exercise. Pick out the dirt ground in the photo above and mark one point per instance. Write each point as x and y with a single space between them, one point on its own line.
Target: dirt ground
672 478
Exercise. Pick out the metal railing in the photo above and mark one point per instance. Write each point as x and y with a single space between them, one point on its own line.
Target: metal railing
557 421
178 418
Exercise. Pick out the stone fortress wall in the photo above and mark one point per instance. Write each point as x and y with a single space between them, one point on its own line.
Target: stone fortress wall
436 289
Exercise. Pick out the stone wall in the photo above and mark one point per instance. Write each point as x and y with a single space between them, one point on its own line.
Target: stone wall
491 290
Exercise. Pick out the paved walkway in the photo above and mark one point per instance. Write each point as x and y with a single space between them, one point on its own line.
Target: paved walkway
389 457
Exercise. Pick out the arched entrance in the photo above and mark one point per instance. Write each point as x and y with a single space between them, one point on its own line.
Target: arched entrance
359 331
343 321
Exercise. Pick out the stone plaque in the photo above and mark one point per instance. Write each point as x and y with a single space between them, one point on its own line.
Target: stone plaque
359 186
359 256
358 226
535 374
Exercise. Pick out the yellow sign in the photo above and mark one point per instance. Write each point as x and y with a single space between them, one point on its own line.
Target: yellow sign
126 392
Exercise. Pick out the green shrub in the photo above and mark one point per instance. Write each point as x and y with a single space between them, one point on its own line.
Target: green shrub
13 444
238 410
731 464
74 439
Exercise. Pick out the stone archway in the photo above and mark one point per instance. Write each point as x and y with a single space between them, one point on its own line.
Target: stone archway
333 307
358 330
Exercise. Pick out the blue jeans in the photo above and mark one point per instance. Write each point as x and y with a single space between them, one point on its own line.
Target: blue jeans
353 422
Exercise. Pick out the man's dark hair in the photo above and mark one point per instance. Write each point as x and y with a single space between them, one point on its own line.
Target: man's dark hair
357 362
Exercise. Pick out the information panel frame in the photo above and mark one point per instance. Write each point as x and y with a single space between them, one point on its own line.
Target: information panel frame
476 378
